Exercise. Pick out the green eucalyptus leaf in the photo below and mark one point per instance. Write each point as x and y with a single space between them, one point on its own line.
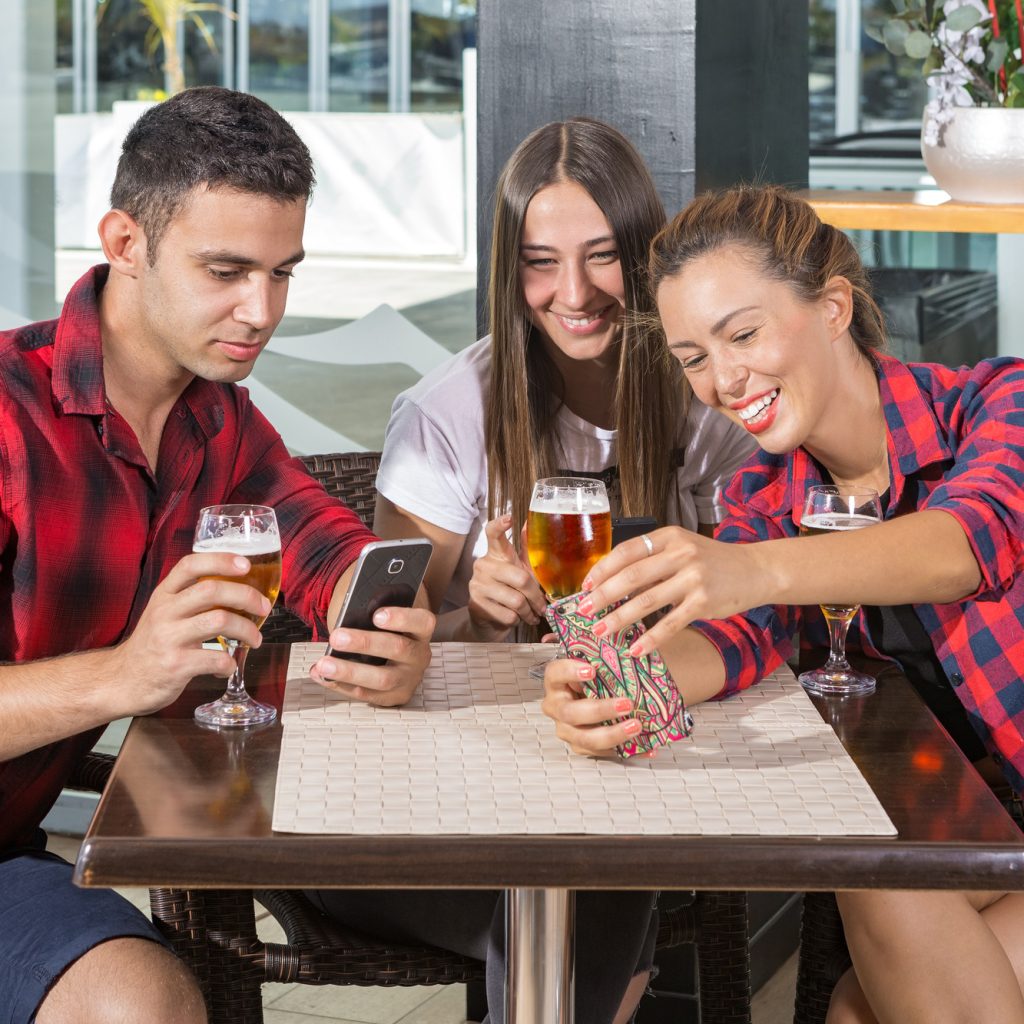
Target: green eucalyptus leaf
1017 80
933 63
899 6
918 45
895 37
874 32
963 19
997 51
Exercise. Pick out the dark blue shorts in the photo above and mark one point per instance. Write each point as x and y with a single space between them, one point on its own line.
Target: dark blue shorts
46 924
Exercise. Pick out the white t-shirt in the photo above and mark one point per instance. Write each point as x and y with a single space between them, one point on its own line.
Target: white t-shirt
434 462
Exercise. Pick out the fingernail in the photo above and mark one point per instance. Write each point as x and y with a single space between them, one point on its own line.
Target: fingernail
585 672
586 607
623 705
380 618
241 563
636 651
266 606
632 727
600 628
587 584
325 668
341 639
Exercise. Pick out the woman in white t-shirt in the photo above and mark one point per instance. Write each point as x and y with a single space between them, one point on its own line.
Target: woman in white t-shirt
574 379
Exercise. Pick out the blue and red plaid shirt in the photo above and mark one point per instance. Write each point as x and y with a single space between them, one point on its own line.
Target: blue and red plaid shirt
956 443
87 531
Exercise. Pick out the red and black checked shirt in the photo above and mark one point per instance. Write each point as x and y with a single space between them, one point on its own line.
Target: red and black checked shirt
87 531
956 443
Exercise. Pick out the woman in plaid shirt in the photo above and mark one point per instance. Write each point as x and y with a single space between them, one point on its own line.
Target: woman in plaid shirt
770 315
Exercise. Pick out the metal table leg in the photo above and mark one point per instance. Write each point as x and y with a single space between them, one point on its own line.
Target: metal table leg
539 930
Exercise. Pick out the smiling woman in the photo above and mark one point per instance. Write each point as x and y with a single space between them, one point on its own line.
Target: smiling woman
769 314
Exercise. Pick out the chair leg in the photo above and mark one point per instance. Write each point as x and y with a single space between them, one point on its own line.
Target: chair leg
723 958
823 957
214 932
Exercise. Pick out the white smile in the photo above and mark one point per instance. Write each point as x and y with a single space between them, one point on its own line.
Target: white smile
756 410
582 321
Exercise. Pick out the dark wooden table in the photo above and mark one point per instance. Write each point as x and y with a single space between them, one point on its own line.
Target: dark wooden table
189 808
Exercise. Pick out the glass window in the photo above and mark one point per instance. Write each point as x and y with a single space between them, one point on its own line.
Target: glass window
126 69
279 52
892 89
358 55
441 30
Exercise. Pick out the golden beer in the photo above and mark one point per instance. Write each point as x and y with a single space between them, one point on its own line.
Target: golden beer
832 522
264 572
562 545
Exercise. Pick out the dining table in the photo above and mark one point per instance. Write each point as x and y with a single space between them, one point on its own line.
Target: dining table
187 807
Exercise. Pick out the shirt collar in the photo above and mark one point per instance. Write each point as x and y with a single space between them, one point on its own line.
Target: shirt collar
913 437
78 361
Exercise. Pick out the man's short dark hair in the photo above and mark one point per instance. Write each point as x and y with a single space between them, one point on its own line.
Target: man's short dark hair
212 137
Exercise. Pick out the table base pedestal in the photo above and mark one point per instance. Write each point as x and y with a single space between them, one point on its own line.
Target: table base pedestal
539 927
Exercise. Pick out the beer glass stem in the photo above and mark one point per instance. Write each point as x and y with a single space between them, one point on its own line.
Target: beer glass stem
236 683
837 630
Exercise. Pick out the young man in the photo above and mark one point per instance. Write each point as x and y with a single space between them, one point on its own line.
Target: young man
119 421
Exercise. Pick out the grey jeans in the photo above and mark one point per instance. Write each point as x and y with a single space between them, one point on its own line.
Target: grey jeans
615 934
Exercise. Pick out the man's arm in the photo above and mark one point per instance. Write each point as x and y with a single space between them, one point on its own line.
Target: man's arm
48 700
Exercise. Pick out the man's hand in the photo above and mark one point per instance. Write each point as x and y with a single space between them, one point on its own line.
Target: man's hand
402 637
503 591
151 668
581 721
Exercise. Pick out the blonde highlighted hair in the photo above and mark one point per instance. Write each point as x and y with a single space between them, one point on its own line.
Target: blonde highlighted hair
786 238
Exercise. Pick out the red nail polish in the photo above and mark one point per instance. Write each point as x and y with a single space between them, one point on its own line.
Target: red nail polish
586 607
636 651
600 628
586 672
623 705
632 727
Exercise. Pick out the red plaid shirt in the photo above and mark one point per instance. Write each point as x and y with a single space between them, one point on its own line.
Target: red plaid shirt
956 443
87 531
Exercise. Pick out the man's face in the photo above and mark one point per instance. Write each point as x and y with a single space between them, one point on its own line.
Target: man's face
217 289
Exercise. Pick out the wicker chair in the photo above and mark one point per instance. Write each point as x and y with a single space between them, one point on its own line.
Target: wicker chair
215 931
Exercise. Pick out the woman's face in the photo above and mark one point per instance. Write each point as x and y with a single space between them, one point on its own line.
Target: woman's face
570 272
751 348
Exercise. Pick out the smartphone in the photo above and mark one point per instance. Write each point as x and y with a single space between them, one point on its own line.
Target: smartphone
634 526
388 574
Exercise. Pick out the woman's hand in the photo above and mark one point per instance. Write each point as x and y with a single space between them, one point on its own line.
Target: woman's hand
503 591
693 576
579 720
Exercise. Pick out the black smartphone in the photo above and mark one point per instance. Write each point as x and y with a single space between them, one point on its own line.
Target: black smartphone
388 574
634 526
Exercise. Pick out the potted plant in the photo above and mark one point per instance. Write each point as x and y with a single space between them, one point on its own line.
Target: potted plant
972 137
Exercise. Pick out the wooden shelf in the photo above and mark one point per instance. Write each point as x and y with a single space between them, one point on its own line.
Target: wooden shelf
912 211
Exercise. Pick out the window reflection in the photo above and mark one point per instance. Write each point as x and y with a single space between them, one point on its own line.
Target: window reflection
279 52
441 30
358 55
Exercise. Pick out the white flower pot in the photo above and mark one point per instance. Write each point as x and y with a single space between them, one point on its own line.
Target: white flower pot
980 158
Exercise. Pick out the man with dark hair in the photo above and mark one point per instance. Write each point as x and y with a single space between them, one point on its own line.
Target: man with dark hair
118 422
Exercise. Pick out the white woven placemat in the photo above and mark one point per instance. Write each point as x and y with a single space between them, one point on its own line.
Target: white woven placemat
473 754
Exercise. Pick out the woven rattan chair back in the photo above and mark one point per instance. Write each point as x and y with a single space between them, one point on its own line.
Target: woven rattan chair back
347 475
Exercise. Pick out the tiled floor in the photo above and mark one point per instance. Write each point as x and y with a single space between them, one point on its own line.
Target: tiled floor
305 1004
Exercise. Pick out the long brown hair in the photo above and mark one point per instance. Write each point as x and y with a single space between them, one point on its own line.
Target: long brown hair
786 238
526 389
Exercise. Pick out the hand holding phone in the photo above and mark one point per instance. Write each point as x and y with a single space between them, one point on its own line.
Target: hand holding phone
646 681
388 574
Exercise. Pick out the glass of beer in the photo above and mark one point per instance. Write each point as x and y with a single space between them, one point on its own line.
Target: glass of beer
568 530
828 508
251 531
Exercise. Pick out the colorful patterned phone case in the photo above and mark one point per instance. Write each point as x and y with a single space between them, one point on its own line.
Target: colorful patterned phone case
646 681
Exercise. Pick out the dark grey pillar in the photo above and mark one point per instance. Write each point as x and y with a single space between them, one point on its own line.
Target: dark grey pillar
711 92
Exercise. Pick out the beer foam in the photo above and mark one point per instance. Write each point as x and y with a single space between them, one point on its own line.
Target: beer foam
569 504
237 542
837 521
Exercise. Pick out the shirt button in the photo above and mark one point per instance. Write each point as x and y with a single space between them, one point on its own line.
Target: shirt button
956 679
